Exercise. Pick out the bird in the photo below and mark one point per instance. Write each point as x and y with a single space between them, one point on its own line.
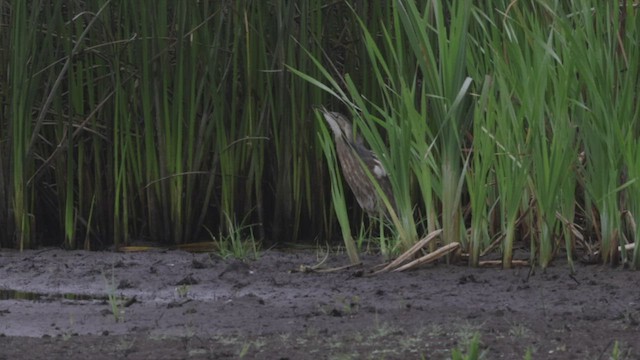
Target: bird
354 158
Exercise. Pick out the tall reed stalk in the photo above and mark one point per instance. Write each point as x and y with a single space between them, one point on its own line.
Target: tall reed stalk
23 91
438 38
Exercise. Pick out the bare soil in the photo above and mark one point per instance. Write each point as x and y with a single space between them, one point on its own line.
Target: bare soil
178 305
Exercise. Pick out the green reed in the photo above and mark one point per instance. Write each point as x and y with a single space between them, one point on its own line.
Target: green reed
20 167
478 173
609 123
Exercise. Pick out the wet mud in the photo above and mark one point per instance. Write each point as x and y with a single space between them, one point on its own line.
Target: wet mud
58 304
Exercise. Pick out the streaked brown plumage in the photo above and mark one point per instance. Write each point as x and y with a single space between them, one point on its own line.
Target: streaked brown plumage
353 157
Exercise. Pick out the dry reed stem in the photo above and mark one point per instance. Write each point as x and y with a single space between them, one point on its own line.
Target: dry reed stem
431 257
411 252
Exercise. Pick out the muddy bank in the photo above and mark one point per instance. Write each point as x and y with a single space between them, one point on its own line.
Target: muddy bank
174 304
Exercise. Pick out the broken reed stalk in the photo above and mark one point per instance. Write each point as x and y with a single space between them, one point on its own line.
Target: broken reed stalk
394 265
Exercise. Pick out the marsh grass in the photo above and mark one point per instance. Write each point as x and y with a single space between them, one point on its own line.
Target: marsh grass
472 350
237 241
504 120
115 306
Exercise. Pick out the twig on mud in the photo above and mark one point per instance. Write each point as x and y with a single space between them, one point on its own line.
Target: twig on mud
379 267
317 269
130 302
495 263
492 246
306 269
175 304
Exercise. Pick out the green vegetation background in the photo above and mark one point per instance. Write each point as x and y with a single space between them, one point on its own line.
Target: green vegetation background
187 121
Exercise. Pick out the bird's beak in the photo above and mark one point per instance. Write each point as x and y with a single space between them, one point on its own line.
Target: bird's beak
322 109
332 121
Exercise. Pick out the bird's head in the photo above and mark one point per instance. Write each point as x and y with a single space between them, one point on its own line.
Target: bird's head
339 124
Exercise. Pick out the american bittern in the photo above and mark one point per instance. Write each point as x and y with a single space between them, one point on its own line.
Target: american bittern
360 166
